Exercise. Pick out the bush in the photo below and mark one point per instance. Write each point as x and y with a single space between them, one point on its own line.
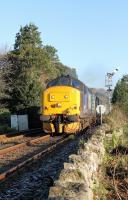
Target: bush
117 118
125 130
5 117
5 128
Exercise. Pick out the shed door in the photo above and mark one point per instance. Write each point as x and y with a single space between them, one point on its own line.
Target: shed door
14 122
23 122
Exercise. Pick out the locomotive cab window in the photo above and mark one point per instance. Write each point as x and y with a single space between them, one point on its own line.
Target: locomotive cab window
67 81
52 83
75 84
60 81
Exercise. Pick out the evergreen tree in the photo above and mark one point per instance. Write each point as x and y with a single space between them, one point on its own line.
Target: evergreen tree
3 64
52 53
30 65
120 94
27 60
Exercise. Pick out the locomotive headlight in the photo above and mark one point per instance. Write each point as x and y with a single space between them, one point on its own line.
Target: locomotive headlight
52 97
65 96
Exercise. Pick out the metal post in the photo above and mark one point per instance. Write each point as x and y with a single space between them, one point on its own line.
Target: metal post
108 84
110 105
109 99
100 115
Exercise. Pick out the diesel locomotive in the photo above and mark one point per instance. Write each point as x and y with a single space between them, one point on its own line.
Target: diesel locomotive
67 106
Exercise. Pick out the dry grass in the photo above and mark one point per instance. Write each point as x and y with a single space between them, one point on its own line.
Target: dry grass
117 177
115 167
116 118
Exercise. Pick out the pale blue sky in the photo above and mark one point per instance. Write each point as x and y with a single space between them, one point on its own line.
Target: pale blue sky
90 35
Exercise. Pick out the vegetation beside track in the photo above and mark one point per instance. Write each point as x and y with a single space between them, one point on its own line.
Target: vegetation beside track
114 179
120 94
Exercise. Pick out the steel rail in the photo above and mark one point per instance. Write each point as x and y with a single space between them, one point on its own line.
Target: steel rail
4 138
19 134
28 161
12 148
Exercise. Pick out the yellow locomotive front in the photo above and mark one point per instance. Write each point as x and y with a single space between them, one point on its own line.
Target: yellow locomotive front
61 106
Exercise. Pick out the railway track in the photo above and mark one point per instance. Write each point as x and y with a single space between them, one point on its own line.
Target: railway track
18 156
10 140
7 137
24 144
37 173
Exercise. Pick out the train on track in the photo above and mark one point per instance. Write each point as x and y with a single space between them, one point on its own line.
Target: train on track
67 106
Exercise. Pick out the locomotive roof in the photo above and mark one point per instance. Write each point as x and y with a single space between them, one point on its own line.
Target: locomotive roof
80 86
66 76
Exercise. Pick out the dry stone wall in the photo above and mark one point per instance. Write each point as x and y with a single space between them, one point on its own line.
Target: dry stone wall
78 178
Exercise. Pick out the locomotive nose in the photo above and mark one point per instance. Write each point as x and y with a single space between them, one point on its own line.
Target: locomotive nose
61 100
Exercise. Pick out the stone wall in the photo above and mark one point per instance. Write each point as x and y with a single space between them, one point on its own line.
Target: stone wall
78 178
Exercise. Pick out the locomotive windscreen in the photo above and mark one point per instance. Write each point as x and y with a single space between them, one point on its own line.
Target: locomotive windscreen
60 81
67 81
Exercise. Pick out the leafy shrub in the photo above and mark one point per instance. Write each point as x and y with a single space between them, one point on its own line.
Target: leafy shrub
5 128
125 130
5 117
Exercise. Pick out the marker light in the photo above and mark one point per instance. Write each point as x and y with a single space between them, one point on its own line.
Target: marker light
58 105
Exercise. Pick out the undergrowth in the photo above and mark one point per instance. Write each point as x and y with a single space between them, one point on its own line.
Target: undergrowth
116 166
113 183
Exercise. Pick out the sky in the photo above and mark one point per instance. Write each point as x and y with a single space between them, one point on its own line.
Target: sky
90 35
